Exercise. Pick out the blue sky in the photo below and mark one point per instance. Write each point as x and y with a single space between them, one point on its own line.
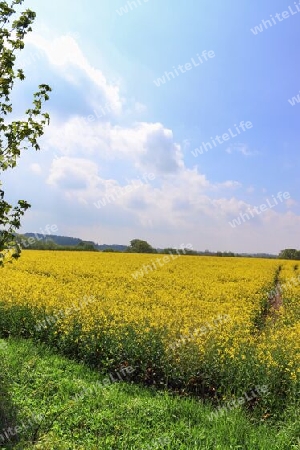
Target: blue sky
111 124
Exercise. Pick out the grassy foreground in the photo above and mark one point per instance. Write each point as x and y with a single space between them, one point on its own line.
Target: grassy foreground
39 401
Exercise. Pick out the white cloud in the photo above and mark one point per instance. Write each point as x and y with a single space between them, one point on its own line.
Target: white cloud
240 148
36 168
148 146
172 200
229 184
72 173
65 54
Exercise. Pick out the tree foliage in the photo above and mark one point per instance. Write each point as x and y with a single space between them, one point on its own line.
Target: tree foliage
289 253
139 246
15 135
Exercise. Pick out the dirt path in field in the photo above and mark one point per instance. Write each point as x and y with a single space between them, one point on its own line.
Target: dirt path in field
270 313
275 303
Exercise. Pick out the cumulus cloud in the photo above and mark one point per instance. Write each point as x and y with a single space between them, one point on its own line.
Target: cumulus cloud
161 152
72 173
171 200
147 145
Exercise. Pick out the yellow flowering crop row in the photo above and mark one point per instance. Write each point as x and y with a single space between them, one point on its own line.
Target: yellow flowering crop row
184 294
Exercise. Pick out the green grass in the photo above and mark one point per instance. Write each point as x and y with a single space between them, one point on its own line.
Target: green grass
120 416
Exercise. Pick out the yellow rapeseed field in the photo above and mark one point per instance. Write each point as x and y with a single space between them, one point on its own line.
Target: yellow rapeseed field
173 317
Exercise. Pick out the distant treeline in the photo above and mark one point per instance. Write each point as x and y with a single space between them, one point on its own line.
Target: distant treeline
37 241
